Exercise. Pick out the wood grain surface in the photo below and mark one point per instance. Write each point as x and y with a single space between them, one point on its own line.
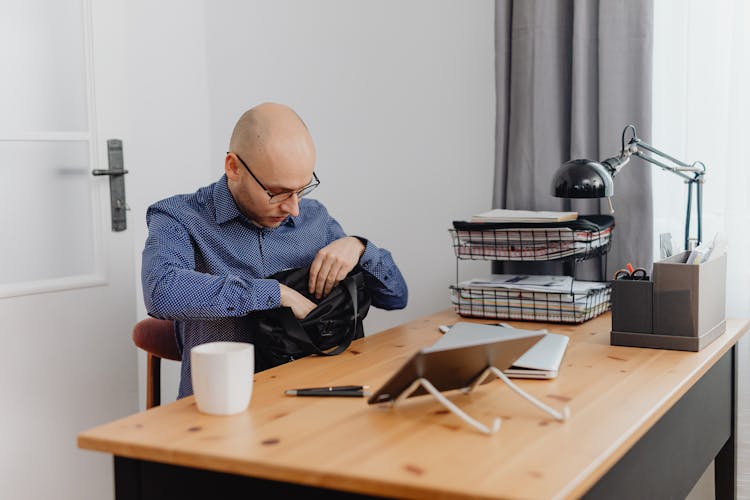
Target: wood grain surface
419 450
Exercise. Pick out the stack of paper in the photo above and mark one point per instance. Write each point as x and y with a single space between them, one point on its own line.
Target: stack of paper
540 298
531 283
524 216
528 243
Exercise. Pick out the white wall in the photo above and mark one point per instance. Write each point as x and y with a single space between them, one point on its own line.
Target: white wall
399 97
167 150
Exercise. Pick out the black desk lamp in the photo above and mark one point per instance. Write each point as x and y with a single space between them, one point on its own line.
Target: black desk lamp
590 179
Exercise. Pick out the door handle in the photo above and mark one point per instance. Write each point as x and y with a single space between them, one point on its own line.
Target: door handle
98 171
116 173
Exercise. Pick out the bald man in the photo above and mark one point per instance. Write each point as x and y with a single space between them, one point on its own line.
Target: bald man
208 254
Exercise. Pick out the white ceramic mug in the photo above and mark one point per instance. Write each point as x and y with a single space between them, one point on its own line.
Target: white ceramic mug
222 376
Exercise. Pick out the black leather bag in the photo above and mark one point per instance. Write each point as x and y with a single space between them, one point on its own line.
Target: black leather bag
328 330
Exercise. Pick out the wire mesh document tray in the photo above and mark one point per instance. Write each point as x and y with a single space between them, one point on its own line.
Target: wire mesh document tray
581 239
555 307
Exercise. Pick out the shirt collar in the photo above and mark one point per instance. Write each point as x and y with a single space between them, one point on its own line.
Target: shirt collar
224 205
226 208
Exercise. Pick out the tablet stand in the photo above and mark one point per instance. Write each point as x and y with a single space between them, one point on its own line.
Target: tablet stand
448 404
491 370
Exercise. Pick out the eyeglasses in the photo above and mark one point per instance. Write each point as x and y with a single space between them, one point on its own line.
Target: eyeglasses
276 198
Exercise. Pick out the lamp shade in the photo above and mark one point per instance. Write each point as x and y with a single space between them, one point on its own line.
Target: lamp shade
582 179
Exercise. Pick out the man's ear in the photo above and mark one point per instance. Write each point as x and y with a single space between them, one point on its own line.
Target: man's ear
231 167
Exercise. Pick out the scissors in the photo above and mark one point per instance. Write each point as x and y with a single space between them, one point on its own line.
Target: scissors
631 273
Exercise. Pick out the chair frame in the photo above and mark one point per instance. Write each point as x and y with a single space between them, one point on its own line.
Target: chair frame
150 335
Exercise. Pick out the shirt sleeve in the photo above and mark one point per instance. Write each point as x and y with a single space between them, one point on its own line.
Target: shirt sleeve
383 278
173 289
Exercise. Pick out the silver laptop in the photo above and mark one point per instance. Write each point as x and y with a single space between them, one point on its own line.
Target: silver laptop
454 367
542 361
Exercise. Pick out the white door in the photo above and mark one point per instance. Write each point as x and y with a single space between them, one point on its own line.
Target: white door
67 287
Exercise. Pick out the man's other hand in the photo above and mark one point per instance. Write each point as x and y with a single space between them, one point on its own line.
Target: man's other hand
299 304
332 263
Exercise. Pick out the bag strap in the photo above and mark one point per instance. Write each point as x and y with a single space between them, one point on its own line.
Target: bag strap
295 330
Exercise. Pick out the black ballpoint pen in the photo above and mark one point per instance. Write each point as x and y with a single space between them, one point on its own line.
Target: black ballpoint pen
343 390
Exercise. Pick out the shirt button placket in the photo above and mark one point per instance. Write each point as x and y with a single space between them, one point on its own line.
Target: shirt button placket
261 234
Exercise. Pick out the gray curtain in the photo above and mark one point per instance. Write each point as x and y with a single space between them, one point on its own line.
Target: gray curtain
570 75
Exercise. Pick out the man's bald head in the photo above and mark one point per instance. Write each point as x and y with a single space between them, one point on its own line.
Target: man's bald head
269 130
279 156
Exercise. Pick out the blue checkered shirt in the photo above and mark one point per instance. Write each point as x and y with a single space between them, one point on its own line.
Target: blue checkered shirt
205 263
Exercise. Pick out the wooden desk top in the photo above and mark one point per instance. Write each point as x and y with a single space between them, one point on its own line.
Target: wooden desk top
420 450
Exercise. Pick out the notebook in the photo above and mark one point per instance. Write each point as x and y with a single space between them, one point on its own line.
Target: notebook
525 216
542 361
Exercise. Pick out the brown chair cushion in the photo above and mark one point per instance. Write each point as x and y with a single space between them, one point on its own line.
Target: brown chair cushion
157 336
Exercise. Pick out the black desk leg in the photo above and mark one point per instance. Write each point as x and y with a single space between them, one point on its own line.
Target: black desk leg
127 479
725 465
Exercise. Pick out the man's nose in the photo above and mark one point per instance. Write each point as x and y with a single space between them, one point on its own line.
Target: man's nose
291 205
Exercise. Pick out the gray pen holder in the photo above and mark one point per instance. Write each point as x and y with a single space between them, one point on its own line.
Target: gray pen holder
632 306
686 311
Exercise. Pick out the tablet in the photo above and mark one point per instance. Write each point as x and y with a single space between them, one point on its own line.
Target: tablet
451 367
541 361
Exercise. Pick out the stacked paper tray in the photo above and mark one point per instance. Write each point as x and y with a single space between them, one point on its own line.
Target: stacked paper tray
579 302
581 239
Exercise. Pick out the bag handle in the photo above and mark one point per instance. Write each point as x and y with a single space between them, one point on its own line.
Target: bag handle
295 330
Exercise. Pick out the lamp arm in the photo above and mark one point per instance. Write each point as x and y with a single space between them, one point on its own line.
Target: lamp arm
698 168
675 170
634 147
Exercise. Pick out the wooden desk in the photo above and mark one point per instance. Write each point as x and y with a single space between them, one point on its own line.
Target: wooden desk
645 423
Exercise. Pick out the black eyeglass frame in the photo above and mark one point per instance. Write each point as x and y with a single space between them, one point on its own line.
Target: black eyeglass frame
276 198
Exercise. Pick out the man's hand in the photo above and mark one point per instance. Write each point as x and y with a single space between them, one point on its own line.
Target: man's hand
332 263
290 297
